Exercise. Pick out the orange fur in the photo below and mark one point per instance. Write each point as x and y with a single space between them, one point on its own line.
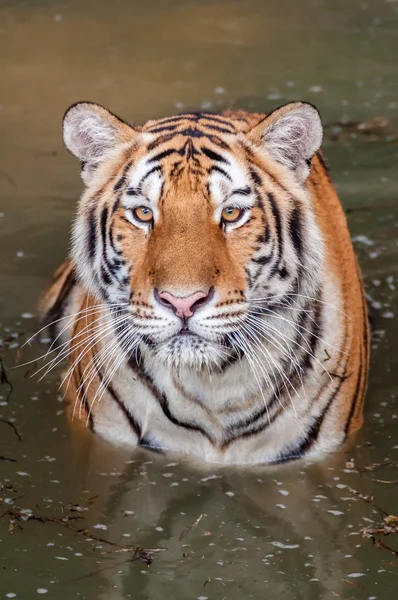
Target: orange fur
187 250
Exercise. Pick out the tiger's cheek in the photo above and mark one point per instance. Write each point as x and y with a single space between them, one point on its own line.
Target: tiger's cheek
133 244
241 244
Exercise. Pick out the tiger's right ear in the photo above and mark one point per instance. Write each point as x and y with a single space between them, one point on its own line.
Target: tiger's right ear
91 132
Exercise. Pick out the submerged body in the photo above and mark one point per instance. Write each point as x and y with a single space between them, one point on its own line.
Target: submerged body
213 304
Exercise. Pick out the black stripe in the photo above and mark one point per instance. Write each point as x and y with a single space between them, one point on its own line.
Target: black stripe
144 177
291 371
249 278
116 206
122 180
92 233
255 177
134 424
279 233
316 329
150 444
110 269
112 242
311 435
165 128
160 140
160 156
296 230
82 395
118 185
216 118
104 219
246 191
263 260
197 116
213 155
163 402
217 128
192 132
219 170
175 119
105 276
217 141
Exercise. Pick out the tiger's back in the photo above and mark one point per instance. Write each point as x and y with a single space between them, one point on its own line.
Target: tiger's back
219 305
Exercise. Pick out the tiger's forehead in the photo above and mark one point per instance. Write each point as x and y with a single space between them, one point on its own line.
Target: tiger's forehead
198 151
202 124
184 165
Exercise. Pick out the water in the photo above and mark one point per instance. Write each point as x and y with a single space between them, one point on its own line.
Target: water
284 533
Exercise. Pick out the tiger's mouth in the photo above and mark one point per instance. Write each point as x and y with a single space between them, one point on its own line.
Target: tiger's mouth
185 331
189 349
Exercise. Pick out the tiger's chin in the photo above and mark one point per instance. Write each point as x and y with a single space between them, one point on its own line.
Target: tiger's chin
192 352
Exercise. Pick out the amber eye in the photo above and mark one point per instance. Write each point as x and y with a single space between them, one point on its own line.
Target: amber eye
231 214
143 214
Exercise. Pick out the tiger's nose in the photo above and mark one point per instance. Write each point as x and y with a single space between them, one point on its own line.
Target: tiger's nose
184 306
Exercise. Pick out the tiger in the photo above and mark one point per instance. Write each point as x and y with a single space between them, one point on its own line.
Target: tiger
212 305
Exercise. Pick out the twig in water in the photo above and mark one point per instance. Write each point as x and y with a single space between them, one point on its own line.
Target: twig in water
13 427
369 500
384 546
138 553
188 529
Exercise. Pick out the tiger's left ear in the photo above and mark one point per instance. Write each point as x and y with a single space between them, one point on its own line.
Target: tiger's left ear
291 135
91 132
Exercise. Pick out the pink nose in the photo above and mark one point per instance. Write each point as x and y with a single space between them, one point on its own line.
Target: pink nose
183 307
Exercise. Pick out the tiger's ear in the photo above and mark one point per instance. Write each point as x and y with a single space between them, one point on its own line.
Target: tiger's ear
91 132
291 135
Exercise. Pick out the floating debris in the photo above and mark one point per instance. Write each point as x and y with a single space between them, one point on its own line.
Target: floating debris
188 529
16 515
376 128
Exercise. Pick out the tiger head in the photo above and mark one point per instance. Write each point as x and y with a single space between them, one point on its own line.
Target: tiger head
192 227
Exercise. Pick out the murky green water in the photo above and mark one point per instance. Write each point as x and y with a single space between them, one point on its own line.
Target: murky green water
286 533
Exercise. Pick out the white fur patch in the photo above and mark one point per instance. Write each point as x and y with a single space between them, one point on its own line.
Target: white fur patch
88 135
294 137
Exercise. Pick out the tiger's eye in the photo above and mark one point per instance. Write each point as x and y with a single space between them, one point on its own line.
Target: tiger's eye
143 214
231 214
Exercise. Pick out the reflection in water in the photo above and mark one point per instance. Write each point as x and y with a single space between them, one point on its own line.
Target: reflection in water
293 521
282 533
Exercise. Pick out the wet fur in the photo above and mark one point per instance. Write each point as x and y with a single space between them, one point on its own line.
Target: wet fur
292 387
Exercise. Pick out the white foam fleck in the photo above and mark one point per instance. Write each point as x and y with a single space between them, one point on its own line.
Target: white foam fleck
285 546
363 239
209 478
